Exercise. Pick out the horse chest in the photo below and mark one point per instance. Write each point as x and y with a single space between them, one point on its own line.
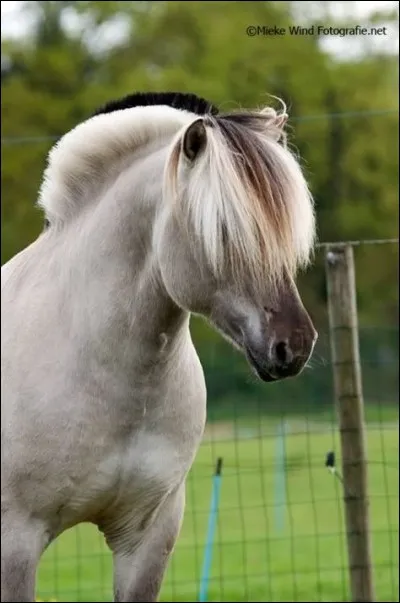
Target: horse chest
144 466
150 465
157 452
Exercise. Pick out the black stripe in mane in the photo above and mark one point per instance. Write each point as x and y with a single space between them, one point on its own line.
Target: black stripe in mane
177 100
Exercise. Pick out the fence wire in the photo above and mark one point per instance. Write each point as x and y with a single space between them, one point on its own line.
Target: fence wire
280 529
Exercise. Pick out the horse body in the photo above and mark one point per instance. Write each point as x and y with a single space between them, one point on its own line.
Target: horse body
103 394
108 451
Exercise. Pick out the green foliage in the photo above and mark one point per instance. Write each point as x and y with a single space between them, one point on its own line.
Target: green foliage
58 75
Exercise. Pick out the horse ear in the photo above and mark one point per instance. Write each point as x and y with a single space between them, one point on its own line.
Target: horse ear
279 125
276 122
194 139
281 120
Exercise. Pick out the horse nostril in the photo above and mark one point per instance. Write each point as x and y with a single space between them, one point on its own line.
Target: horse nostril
282 353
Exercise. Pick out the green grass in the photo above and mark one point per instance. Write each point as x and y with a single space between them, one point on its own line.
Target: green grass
253 558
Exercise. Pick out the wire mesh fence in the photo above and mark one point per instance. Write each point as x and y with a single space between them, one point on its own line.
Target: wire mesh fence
280 534
280 531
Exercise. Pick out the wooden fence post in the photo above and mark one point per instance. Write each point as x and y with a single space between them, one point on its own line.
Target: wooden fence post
343 324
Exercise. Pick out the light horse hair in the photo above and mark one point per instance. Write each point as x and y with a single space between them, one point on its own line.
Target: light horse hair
157 207
246 198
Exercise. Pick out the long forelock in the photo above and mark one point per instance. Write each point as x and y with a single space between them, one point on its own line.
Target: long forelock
247 200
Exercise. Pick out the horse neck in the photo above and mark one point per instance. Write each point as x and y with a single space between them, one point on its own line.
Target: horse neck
128 306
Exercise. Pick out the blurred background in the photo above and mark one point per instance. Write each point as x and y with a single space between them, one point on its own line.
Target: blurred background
280 534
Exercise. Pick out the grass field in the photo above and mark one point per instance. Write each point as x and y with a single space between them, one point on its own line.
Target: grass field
272 543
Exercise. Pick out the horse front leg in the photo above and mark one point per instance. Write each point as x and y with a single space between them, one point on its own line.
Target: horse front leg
22 543
139 571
